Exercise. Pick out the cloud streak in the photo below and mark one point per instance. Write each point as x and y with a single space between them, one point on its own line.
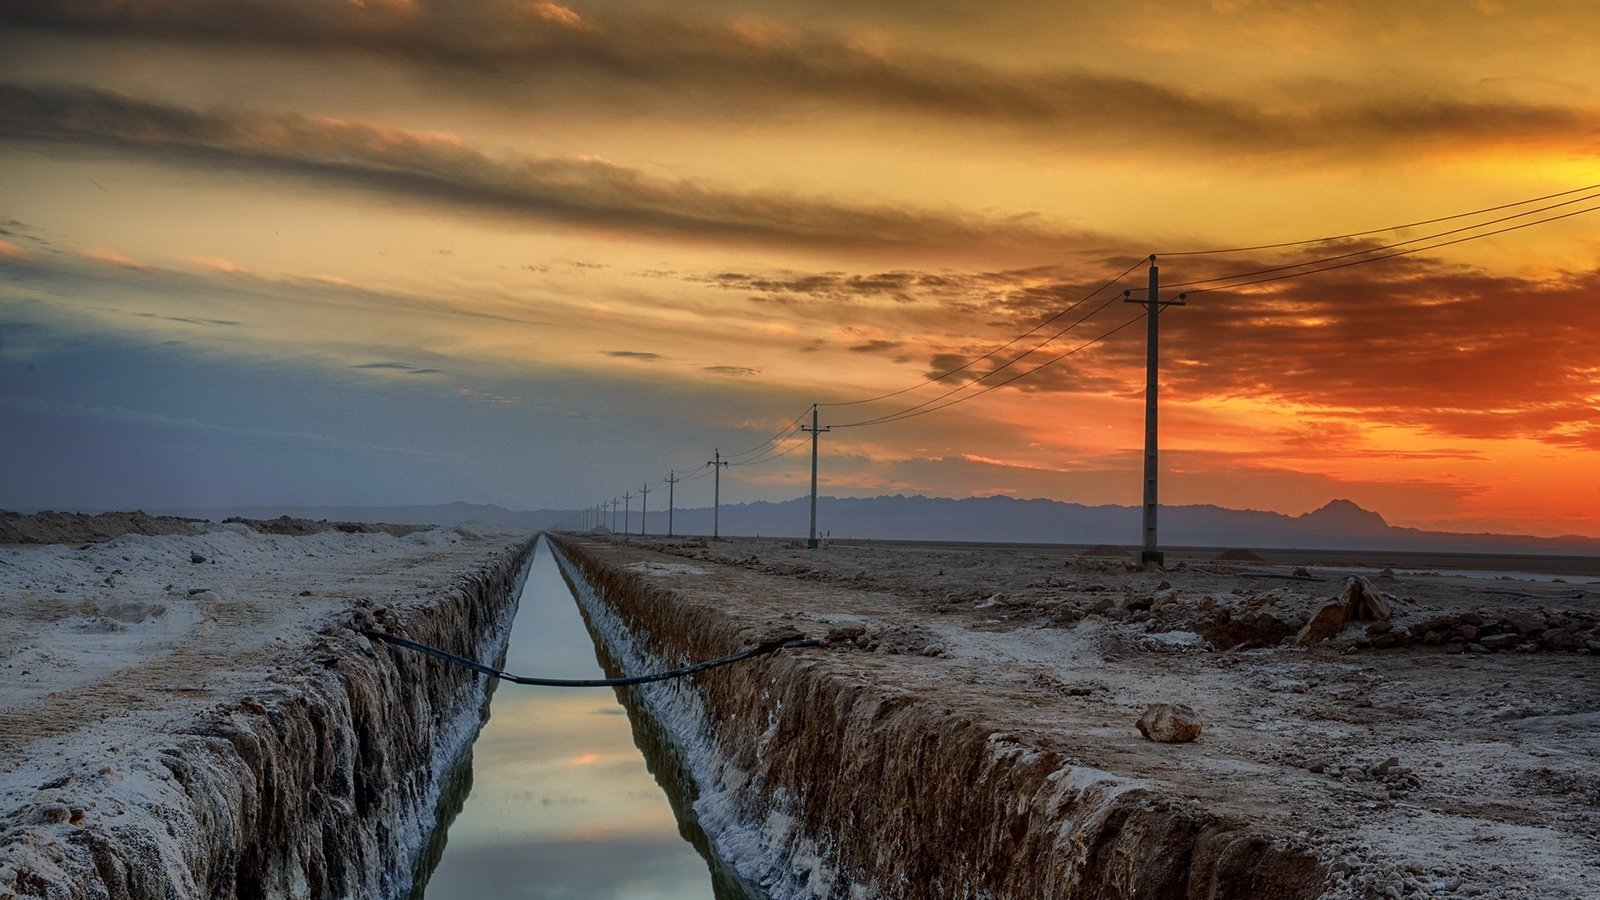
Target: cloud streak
770 67
580 191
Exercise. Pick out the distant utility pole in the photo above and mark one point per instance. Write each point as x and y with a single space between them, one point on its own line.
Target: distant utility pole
644 507
627 514
1153 304
717 465
672 481
614 504
812 543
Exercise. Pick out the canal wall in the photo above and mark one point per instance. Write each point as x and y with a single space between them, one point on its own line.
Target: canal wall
323 781
814 781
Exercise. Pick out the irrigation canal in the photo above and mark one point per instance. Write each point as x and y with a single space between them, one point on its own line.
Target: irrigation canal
557 798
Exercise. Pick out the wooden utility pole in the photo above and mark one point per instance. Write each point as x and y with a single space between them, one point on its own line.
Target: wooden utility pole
814 430
1149 546
644 507
627 514
717 465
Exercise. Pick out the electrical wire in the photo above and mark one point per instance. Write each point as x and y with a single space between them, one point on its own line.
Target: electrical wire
1370 250
1355 234
772 455
1007 364
1372 259
972 362
781 435
913 412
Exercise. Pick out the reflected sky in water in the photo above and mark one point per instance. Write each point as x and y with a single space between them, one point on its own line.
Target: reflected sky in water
562 805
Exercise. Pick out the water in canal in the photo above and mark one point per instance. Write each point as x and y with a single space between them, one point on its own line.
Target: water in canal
559 801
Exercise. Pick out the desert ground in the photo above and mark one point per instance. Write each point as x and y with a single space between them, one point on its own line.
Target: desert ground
1425 730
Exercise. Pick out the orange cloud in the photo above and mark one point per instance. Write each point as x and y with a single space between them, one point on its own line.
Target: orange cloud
9 250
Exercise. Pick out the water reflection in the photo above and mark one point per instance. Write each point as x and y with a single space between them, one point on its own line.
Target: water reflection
558 802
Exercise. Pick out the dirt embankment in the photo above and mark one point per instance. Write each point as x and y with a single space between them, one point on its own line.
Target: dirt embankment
842 771
1414 734
50 527
239 738
77 528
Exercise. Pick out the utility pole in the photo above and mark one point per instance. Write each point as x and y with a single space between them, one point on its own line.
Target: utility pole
614 504
627 514
644 507
1150 548
672 481
717 465
812 543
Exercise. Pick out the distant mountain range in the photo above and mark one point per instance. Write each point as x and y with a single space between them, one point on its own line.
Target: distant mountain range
1340 525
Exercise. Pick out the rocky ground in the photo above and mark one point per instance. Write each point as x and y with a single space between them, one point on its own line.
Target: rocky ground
1424 733
114 654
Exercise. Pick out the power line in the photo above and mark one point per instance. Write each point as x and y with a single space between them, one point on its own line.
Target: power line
972 362
1355 234
1370 250
915 411
979 380
788 429
1358 262
771 455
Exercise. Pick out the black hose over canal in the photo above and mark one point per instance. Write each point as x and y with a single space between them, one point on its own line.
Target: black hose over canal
761 649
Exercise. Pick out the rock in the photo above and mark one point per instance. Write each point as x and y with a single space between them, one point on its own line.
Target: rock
1466 633
1325 623
1593 645
1525 621
1170 723
196 558
1258 629
1364 602
1561 640
1497 642
1386 573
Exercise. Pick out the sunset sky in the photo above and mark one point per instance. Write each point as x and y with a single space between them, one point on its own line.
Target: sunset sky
539 253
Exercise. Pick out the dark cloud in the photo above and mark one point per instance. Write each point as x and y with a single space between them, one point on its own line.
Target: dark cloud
644 355
187 320
877 346
673 58
738 371
1408 342
399 367
581 191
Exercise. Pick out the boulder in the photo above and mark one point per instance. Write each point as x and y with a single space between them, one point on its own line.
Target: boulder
1325 623
1170 723
1525 621
1366 603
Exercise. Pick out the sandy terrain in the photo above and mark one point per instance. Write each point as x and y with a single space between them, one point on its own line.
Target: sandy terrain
1449 749
110 649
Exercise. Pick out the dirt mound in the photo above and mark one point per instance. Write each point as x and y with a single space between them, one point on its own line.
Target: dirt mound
296 527
1238 556
51 527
